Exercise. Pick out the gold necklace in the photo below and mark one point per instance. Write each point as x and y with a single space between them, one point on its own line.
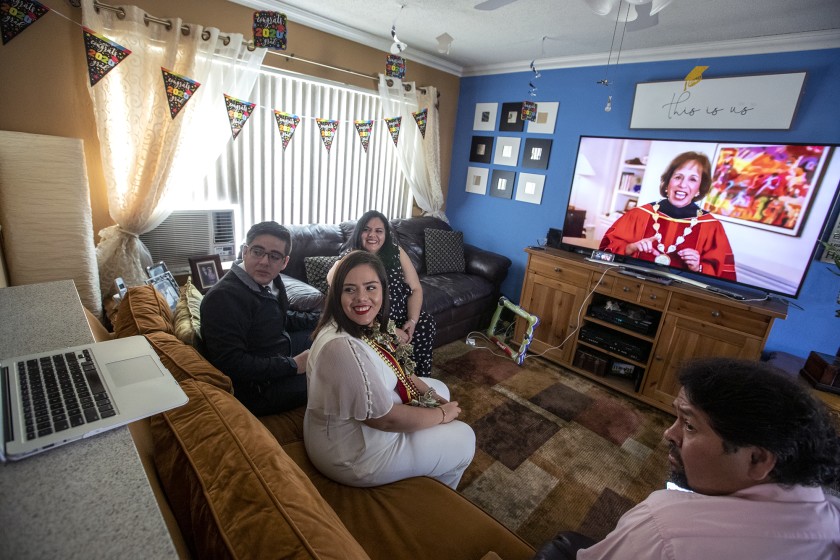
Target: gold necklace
663 258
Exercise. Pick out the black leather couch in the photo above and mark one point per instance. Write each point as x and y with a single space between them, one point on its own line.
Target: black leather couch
459 302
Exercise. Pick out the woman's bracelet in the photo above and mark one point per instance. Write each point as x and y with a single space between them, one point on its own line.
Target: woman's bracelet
411 321
444 415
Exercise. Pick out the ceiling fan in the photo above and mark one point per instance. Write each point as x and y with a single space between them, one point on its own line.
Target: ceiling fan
638 14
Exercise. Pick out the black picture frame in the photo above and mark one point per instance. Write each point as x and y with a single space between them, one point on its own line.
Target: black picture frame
502 184
206 271
536 154
481 150
510 117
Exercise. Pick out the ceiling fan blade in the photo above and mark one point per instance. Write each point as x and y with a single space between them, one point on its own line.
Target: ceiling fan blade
601 7
658 5
489 5
644 19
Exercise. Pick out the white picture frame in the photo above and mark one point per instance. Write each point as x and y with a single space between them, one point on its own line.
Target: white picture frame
486 115
507 151
546 119
477 180
529 188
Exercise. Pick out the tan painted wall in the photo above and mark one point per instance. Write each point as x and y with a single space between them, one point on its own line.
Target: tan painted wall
43 76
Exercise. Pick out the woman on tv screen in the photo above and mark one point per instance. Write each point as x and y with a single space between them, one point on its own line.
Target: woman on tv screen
675 231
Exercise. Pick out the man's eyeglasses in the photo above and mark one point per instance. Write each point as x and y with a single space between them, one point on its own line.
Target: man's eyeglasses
259 253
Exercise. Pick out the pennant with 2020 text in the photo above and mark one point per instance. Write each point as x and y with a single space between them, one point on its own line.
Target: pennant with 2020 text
103 55
394 124
395 66
270 30
179 90
238 113
529 111
328 129
286 123
17 15
364 129
420 119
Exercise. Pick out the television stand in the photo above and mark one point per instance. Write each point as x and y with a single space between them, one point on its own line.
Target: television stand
649 276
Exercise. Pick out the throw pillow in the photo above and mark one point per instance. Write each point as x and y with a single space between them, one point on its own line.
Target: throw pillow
188 314
316 271
444 251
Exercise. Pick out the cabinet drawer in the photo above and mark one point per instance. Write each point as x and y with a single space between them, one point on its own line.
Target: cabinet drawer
626 288
653 296
557 270
720 314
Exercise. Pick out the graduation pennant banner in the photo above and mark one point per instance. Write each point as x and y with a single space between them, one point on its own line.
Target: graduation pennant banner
286 123
103 55
238 113
328 128
270 30
17 15
529 111
395 66
420 119
394 124
179 90
364 129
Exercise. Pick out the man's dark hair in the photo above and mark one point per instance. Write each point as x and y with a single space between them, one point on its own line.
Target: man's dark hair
332 303
270 228
751 403
389 253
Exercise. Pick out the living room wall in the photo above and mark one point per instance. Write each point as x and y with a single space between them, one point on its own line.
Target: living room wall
508 226
45 79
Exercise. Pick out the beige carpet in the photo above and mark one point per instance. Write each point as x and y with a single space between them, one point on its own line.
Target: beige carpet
554 450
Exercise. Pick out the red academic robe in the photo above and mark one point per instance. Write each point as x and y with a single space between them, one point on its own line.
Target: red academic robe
707 237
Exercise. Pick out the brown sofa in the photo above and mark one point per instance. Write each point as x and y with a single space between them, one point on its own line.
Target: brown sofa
242 487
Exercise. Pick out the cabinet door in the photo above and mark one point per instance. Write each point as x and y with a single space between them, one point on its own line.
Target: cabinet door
557 305
681 339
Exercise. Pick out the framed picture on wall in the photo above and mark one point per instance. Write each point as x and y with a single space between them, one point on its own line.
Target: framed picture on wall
206 271
529 188
477 180
481 149
502 184
511 118
485 116
546 118
507 151
536 153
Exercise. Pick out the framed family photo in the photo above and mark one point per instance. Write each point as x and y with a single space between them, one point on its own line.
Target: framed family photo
206 271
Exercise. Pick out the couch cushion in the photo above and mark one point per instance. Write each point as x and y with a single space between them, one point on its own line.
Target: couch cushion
143 310
411 235
187 319
444 251
234 491
302 296
317 269
184 361
444 291
311 241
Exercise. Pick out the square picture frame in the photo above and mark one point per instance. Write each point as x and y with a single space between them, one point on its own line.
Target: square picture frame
206 271
481 149
165 283
546 118
507 151
477 180
536 153
529 188
502 184
485 116
510 119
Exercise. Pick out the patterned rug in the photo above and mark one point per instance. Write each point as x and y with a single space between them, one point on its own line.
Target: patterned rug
554 450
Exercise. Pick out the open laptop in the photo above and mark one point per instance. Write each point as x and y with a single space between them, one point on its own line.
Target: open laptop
56 397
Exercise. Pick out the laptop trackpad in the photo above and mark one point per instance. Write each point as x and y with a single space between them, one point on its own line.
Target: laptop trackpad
133 370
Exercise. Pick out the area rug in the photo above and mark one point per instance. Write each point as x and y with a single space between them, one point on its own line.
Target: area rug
554 450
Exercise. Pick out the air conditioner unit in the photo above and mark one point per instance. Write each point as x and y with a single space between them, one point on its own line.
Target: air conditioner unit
192 233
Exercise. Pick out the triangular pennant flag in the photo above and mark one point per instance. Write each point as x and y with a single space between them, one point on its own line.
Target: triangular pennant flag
103 55
364 128
286 123
395 66
238 113
270 30
420 119
529 111
179 90
328 129
18 15
394 124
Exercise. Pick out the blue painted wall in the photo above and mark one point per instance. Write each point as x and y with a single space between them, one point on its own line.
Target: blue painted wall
508 226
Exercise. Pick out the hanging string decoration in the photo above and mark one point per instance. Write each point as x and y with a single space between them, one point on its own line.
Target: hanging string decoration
420 118
364 129
394 124
286 124
103 55
328 128
238 113
529 111
179 90
270 30
17 15
395 66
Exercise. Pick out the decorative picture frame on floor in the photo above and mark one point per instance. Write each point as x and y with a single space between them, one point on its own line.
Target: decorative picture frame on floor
485 116
536 153
477 180
481 150
502 184
206 271
529 188
507 151
510 119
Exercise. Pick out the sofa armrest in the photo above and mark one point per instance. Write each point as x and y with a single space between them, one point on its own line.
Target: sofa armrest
487 264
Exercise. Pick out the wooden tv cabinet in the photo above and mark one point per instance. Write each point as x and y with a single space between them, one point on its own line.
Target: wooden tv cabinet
631 334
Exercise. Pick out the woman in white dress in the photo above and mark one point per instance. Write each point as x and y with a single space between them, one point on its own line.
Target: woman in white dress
369 420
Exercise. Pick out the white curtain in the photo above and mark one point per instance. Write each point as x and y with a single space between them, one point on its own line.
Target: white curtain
147 154
419 157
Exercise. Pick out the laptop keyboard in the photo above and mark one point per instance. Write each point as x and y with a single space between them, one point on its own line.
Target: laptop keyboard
60 392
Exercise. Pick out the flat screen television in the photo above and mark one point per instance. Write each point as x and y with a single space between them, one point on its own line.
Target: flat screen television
758 224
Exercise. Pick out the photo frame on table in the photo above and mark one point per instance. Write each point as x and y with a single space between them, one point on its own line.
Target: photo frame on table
546 118
485 116
477 180
536 153
206 271
502 184
481 150
165 283
529 188
510 119
507 151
